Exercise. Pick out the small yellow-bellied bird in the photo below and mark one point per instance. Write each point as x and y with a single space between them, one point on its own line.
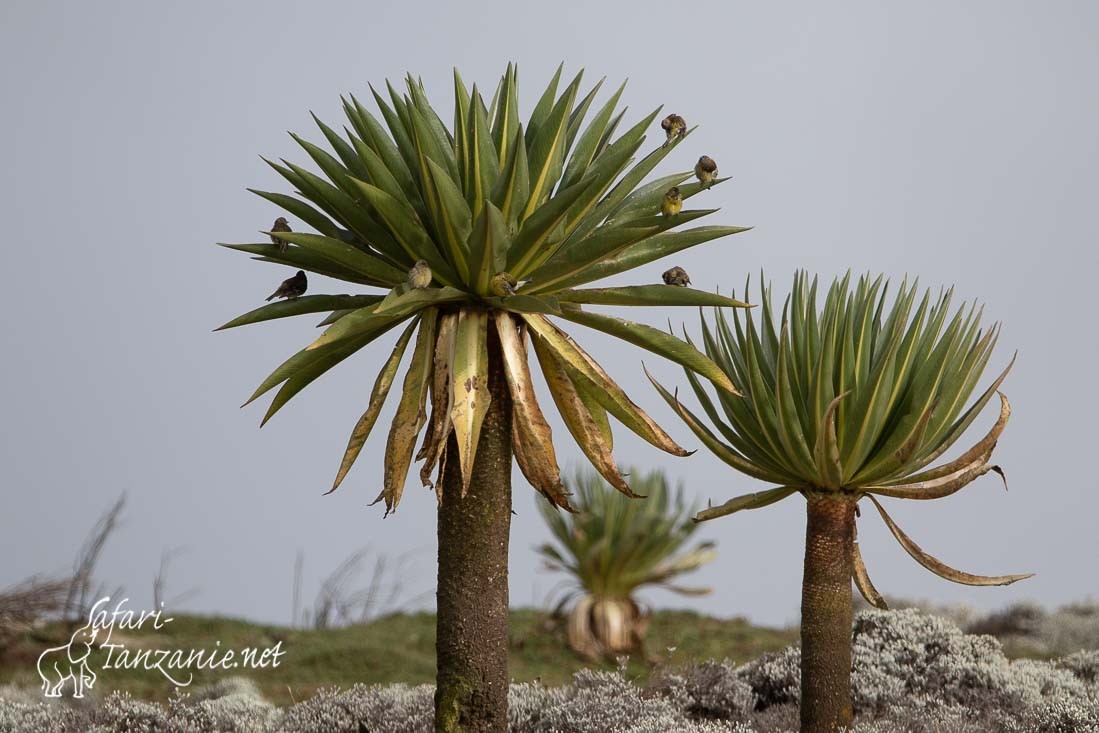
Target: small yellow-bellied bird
420 275
674 127
706 171
280 225
503 284
672 203
677 276
291 287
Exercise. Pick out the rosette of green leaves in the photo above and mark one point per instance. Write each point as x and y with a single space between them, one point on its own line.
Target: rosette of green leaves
557 202
856 400
613 548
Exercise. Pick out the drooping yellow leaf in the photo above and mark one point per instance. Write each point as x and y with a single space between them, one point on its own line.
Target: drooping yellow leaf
438 430
374 405
578 419
469 391
938 566
532 439
410 415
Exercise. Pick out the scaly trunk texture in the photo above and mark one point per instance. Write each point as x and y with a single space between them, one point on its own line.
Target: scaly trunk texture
826 614
471 644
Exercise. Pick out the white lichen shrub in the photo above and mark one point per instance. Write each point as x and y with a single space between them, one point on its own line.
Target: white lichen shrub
238 712
774 678
121 713
710 690
1084 665
598 702
377 708
920 672
527 701
1071 629
17 716
900 654
241 686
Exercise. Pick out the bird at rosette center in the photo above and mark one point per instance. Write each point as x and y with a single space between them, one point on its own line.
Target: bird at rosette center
503 284
419 276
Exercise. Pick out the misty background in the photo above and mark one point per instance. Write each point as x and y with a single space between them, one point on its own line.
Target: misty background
956 142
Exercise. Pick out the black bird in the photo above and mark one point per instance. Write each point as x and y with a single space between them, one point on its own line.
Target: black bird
291 287
280 225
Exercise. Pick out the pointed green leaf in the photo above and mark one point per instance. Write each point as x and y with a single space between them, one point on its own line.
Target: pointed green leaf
306 260
347 256
484 164
299 306
645 251
406 305
488 247
547 151
668 295
584 153
453 220
512 188
409 232
747 501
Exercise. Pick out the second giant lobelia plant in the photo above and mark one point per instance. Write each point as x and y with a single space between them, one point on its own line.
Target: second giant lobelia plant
852 402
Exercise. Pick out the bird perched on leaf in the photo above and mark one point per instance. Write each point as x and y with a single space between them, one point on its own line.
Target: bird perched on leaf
706 171
280 225
503 284
672 203
674 127
677 276
419 276
291 287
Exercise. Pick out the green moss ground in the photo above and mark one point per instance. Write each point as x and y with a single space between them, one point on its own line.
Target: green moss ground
398 648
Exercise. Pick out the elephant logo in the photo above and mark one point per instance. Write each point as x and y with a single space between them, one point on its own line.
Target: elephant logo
58 665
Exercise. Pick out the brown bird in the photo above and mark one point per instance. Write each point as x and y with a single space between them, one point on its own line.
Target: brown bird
291 287
677 276
420 275
674 127
706 171
280 225
672 203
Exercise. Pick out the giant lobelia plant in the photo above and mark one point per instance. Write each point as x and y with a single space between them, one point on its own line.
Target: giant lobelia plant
852 403
612 548
474 238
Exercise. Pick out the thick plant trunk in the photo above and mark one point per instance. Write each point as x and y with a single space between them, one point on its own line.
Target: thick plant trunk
826 614
471 645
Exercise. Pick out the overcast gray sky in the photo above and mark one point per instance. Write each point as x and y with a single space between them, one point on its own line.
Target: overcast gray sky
954 141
